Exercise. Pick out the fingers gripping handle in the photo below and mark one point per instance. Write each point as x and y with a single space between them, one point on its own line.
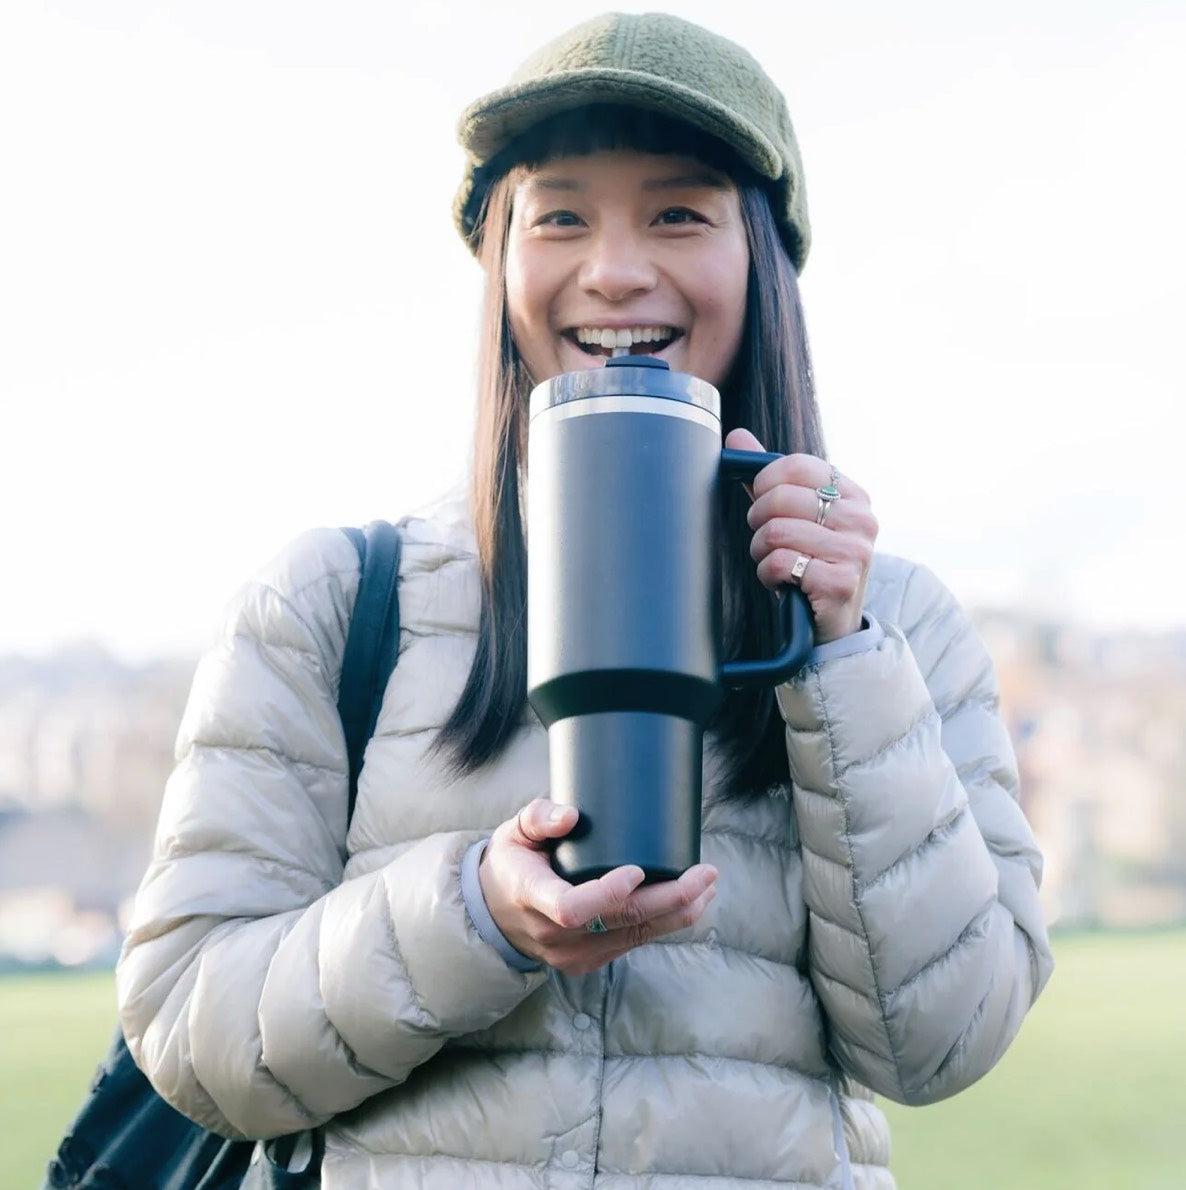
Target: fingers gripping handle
798 633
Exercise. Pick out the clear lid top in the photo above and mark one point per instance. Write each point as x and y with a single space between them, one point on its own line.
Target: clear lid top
627 376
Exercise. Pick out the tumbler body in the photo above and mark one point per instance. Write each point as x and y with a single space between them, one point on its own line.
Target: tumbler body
623 608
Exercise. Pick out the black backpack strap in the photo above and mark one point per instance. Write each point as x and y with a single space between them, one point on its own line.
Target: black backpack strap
373 641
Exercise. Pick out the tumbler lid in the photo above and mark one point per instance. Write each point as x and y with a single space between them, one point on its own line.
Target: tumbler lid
637 361
627 376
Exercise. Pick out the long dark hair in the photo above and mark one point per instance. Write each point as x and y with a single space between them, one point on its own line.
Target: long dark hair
770 392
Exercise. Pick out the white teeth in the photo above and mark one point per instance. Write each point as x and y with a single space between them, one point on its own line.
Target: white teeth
605 337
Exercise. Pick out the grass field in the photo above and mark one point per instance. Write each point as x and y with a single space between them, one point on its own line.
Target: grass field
1092 1095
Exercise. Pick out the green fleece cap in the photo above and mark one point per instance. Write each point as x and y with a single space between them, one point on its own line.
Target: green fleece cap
648 60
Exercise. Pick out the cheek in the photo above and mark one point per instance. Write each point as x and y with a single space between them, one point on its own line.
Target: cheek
738 279
725 292
528 291
515 277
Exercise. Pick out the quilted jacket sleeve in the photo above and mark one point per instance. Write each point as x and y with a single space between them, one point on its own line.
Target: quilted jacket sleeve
259 992
927 941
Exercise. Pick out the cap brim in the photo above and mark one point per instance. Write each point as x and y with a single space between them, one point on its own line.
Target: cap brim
490 124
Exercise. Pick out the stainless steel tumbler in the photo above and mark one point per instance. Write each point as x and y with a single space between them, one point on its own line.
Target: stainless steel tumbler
624 588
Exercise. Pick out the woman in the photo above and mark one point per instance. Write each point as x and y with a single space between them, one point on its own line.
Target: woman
866 918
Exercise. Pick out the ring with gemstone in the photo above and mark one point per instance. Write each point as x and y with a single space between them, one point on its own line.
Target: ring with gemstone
596 926
826 495
797 571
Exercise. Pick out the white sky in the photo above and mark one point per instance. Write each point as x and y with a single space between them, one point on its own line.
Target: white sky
232 303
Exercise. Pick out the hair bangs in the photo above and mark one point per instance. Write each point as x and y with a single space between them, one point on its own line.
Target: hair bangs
606 127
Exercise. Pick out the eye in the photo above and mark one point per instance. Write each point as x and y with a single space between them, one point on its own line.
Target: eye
678 216
558 219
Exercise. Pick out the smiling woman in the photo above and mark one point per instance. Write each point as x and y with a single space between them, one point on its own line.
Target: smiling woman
626 249
418 982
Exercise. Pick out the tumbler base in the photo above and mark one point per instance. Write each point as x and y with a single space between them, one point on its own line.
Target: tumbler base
635 778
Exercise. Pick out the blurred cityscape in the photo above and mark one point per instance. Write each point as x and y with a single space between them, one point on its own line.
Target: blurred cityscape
1099 722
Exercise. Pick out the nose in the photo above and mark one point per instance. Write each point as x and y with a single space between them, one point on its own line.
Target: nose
617 265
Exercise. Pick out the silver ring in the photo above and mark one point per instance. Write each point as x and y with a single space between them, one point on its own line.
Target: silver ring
826 495
797 571
596 925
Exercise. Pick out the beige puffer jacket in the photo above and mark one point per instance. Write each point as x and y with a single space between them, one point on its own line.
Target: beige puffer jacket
878 926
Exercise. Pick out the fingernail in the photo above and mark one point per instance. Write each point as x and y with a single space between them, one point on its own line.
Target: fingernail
556 815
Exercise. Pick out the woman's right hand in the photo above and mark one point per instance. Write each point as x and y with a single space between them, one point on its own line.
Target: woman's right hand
547 919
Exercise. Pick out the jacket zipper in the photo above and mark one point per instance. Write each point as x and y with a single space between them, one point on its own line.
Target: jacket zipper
839 1143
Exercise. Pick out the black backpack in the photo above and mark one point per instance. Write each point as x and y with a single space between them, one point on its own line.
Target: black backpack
125 1136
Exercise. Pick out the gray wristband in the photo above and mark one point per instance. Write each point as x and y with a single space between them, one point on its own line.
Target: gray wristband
479 913
869 637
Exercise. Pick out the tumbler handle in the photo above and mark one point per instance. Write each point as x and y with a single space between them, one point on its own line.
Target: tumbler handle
798 632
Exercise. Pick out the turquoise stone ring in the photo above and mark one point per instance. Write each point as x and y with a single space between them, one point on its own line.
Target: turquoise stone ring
826 495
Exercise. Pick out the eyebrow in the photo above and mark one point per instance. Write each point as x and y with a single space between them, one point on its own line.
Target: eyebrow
706 178
712 180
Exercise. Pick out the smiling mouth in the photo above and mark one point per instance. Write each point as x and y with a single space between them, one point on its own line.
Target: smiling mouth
638 340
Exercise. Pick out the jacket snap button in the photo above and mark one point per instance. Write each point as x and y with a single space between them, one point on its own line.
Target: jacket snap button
582 1020
569 1159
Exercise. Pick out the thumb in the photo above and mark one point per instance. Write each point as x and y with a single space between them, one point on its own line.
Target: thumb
740 439
541 820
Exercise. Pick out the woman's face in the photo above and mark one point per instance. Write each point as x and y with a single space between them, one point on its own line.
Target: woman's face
630 249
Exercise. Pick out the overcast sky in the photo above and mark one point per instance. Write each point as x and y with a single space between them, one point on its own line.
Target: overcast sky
232 303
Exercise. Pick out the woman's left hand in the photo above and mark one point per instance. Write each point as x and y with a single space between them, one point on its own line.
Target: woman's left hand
832 556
